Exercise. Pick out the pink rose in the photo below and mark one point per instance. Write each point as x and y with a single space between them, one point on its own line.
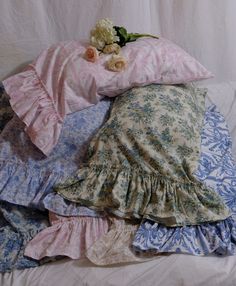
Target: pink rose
91 54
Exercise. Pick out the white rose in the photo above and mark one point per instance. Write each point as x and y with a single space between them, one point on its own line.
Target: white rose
112 48
103 34
117 63
97 43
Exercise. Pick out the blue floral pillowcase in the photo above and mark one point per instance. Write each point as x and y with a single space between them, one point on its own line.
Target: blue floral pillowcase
23 164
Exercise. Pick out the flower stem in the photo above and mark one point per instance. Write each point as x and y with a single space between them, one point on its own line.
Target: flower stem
135 36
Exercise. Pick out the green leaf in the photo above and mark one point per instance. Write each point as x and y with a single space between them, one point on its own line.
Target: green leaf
128 37
122 34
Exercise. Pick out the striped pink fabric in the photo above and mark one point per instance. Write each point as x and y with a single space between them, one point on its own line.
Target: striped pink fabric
61 81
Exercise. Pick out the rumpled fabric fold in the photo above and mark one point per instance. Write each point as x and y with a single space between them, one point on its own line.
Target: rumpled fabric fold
67 236
44 93
115 246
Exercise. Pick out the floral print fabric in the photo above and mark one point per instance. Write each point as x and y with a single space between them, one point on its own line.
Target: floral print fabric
142 160
18 225
116 245
22 164
218 170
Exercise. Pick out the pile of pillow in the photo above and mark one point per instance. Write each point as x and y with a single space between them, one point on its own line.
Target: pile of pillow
61 81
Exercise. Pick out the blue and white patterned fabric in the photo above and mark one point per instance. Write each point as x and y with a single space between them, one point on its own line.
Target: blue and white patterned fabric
18 225
57 204
217 170
27 176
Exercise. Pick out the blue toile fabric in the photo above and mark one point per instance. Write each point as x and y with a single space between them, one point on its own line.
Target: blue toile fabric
57 204
18 225
27 176
217 169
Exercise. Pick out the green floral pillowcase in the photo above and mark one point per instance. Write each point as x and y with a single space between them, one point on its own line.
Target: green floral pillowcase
141 162
155 121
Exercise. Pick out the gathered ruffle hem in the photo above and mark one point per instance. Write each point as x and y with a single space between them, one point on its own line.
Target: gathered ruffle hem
133 193
66 237
218 170
208 238
43 121
115 246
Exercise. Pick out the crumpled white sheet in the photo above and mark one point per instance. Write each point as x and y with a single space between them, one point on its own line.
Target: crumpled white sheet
172 270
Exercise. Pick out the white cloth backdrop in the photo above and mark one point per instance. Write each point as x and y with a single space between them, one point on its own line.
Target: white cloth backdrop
205 28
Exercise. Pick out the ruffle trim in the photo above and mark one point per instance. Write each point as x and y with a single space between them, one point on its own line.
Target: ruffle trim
35 107
32 187
57 204
15 176
209 238
67 237
115 247
133 193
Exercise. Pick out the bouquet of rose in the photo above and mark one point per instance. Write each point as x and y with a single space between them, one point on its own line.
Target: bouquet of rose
109 39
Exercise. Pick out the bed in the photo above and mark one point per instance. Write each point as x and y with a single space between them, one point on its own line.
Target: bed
126 161
170 269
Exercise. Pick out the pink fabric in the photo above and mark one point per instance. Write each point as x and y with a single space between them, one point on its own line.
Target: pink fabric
67 236
61 81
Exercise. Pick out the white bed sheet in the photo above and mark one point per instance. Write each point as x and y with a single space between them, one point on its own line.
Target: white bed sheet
173 270
170 270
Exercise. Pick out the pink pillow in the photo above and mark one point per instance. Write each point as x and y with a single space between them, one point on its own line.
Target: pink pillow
61 81
155 61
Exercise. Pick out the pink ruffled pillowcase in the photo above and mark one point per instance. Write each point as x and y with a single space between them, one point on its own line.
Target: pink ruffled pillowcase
61 81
